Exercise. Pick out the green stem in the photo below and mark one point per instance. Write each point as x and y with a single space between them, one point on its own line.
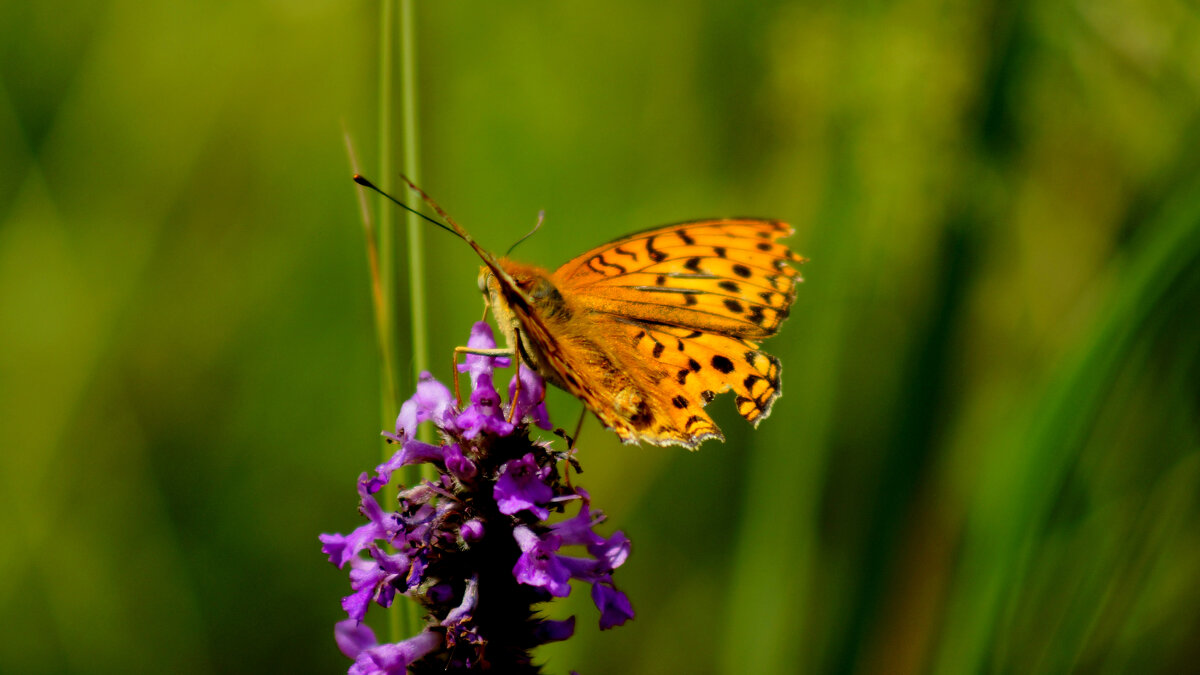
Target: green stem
416 238
416 229
402 616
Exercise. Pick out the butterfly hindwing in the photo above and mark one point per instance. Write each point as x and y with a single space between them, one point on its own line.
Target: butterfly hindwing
703 365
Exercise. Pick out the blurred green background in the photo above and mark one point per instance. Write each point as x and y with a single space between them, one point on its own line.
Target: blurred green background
987 458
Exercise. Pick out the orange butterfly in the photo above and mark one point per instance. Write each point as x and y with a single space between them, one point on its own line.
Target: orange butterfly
647 329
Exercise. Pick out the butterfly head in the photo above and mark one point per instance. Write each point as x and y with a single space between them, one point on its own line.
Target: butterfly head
527 285
522 293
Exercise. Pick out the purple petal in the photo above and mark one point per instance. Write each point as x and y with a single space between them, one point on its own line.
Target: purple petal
467 606
477 365
416 574
531 401
614 606
433 401
394 659
366 576
458 464
538 565
357 603
578 530
341 548
353 637
411 452
612 551
484 413
550 630
585 569
521 487
471 531
440 593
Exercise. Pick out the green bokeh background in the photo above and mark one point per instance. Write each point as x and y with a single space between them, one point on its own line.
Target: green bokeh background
987 457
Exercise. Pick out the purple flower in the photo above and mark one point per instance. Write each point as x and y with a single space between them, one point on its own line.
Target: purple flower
449 541
385 659
471 531
613 604
539 564
477 365
484 413
522 487
612 551
550 630
352 637
433 401
531 400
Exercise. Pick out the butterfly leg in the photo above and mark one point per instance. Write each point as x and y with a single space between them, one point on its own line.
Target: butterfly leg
579 425
499 351
512 402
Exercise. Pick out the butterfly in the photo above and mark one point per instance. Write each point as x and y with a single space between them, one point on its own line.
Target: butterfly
649 328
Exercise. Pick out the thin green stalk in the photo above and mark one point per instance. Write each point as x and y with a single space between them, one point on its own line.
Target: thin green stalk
416 233
403 616
386 353
416 229
387 220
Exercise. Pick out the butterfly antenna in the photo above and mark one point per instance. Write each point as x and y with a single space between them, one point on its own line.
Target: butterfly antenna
358 178
434 205
537 226
487 257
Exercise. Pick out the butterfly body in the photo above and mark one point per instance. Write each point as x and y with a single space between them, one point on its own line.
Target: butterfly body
646 330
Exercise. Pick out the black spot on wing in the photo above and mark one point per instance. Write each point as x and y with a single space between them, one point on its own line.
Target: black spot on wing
756 315
722 364
600 260
631 254
655 254
641 418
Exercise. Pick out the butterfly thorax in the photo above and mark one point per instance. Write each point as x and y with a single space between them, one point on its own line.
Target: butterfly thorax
543 299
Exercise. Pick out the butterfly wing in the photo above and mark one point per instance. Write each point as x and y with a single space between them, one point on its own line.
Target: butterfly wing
683 306
728 277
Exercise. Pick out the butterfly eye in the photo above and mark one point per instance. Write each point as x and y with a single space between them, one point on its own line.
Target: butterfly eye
485 277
